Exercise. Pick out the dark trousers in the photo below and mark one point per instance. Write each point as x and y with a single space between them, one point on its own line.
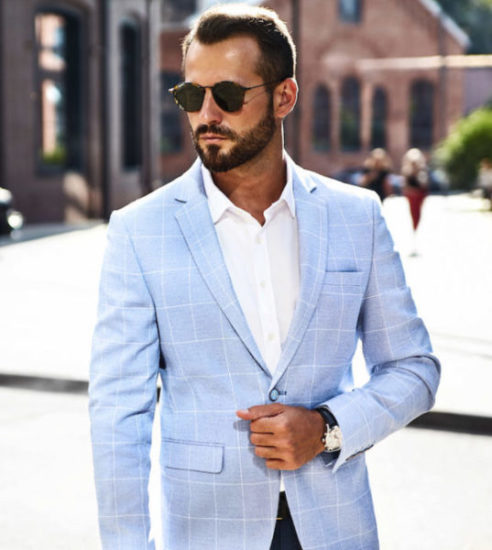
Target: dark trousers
285 536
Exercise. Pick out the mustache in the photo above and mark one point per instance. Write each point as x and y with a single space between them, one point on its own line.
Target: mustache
214 129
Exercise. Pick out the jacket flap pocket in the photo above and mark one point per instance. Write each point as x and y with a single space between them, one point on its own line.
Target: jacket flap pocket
350 278
193 455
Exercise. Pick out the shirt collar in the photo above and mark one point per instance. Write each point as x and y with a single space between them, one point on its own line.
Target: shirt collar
219 203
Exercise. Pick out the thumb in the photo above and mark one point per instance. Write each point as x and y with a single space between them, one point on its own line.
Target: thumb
260 411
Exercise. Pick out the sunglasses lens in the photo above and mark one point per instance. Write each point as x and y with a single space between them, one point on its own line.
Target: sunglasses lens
229 96
189 97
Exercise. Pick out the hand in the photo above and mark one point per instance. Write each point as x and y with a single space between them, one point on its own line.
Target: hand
286 437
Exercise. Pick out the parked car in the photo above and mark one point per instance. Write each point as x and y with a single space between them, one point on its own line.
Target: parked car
10 219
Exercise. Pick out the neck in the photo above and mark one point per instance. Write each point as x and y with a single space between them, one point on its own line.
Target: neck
255 185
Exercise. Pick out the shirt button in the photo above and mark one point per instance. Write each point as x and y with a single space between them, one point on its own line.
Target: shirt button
262 284
274 394
271 336
258 239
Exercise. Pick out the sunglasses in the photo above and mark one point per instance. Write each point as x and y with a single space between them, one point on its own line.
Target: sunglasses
229 96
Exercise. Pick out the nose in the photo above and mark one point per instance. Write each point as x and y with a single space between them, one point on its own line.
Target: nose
210 113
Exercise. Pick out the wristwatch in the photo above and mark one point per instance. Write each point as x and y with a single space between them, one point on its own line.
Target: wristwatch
332 438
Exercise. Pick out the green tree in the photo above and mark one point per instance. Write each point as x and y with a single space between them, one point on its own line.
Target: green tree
475 18
468 143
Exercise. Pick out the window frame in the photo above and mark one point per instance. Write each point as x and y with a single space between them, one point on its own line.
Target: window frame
345 130
75 78
322 119
131 95
421 120
382 124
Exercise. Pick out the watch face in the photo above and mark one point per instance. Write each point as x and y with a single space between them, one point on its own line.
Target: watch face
333 439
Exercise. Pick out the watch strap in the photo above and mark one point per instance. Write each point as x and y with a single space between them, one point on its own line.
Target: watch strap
329 419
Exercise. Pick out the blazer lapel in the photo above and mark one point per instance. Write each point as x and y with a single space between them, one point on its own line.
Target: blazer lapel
313 249
199 233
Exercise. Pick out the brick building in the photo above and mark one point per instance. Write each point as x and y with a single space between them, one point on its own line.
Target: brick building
78 105
371 73
87 124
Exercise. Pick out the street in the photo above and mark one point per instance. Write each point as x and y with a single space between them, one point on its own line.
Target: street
432 489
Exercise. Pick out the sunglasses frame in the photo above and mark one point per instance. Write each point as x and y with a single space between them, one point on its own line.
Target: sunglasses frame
241 89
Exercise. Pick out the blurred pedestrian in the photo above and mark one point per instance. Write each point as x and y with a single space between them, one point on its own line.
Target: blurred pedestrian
377 173
485 179
415 185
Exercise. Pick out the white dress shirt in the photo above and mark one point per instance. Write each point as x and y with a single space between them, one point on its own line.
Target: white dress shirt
263 263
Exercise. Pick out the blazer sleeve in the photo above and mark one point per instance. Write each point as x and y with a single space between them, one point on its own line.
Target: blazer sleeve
122 394
404 375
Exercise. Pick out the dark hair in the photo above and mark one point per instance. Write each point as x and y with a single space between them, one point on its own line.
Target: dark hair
278 52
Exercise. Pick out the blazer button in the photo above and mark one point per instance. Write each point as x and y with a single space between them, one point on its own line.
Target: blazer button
274 394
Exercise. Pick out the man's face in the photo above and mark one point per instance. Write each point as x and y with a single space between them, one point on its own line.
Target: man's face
227 140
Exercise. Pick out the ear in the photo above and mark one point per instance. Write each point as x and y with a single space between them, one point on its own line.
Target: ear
285 97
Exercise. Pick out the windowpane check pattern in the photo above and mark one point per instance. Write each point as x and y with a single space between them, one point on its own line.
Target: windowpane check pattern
168 309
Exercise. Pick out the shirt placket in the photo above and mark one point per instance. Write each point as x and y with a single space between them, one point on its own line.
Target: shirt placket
266 300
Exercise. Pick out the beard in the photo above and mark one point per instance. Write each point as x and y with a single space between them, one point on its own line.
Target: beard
245 147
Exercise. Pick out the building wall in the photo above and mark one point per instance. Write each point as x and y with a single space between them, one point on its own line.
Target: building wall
47 197
330 51
100 184
129 184
478 88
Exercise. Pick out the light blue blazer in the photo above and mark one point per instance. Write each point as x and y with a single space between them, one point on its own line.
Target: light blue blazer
167 308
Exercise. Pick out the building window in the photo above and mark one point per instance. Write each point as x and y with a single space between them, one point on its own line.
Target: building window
421 114
350 115
171 129
379 117
350 11
321 134
59 83
131 93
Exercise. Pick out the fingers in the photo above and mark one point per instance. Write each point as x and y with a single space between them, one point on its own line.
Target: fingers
286 437
275 459
260 411
267 452
263 439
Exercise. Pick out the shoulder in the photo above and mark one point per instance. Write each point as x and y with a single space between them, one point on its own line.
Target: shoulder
329 189
161 203
344 204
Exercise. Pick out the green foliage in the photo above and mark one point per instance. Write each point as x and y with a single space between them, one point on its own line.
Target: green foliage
475 18
469 142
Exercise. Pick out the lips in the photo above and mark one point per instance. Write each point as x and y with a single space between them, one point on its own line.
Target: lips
212 137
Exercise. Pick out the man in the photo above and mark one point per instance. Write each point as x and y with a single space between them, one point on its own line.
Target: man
244 285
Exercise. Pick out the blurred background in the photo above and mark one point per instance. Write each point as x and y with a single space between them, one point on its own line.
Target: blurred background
87 125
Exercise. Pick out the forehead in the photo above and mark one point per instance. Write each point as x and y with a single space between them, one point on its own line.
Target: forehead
233 59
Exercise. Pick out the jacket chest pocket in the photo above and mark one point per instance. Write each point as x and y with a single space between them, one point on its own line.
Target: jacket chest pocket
340 300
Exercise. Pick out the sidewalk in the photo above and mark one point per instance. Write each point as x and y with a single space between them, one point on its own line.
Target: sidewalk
432 490
451 284
48 286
